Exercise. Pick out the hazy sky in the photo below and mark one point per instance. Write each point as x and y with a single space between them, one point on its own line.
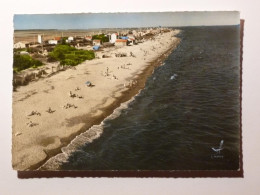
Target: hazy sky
117 20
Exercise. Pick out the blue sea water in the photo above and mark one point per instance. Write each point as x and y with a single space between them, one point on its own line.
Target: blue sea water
188 106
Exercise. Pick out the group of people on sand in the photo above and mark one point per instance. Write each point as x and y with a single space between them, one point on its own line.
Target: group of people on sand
50 110
32 124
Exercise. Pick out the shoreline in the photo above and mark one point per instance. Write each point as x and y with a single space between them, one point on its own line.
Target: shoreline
95 117
124 97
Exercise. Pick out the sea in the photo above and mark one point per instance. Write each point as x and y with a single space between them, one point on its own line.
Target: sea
189 105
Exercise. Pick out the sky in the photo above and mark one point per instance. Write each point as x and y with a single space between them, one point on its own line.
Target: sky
124 20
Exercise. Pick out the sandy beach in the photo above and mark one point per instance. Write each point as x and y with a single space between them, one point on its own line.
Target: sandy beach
50 112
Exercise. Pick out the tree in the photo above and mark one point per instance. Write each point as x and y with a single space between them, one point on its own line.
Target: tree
22 62
69 55
101 37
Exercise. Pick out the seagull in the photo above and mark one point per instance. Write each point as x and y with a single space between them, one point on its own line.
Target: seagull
173 76
219 148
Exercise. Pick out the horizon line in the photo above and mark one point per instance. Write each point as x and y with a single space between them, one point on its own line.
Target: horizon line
127 27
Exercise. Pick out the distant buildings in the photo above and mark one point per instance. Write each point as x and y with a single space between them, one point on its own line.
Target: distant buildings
53 42
96 42
70 39
88 38
124 37
57 38
21 44
120 37
121 42
40 39
113 37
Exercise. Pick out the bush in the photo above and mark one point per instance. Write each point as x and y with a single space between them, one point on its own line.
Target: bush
63 40
51 58
22 62
33 50
69 62
69 55
17 50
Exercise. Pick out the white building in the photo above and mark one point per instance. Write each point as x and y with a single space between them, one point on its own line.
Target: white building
39 38
20 44
113 38
70 39
53 42
96 42
88 38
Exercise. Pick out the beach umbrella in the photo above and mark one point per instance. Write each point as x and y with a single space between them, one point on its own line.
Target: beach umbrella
88 83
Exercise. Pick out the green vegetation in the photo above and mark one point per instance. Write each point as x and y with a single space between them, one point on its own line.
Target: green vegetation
63 40
28 49
33 49
101 37
69 55
18 50
22 62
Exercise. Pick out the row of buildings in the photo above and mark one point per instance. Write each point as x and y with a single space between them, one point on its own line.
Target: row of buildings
113 39
123 38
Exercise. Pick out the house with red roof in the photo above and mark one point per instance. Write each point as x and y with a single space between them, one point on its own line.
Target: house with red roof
96 42
57 38
121 42
88 38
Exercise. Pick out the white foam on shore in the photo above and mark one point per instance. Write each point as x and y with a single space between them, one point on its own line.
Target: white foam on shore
88 136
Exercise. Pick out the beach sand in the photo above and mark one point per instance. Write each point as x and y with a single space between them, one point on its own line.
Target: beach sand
75 107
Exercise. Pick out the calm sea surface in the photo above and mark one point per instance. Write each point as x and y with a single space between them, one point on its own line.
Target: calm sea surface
188 106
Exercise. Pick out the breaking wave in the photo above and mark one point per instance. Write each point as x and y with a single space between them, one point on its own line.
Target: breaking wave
87 137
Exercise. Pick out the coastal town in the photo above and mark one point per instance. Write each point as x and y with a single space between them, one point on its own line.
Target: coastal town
74 82
39 47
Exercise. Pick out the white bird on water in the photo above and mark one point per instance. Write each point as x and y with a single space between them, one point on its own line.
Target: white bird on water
220 147
173 76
